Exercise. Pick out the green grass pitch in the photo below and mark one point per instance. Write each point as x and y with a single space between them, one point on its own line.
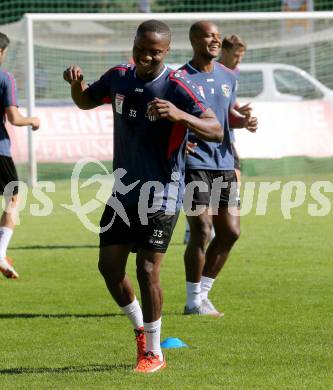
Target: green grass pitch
61 330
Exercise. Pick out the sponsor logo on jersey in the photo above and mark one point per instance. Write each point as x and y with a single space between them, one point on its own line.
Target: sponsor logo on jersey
138 90
226 90
119 103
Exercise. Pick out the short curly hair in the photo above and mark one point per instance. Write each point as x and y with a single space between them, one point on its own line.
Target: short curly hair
154 26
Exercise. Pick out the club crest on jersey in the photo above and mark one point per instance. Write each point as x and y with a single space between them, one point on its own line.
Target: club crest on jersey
226 90
119 103
150 114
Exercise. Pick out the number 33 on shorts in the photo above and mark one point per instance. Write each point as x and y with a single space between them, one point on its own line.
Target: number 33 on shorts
158 233
132 113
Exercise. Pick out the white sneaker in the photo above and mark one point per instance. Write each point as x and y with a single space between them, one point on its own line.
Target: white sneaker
205 309
6 267
208 309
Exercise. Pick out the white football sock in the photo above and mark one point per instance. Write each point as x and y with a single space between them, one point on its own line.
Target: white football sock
193 298
134 313
153 337
5 236
206 285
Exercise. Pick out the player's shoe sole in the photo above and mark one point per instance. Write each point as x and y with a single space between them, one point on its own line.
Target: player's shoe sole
7 269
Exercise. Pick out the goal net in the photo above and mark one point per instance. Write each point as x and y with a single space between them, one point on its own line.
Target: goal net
287 74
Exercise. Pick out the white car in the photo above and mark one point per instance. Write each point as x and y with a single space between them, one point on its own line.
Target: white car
269 82
279 82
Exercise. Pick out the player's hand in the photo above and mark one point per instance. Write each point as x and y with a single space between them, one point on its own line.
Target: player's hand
73 74
189 148
245 110
35 123
164 109
251 123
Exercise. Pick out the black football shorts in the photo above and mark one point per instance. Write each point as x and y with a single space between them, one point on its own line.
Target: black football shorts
154 236
226 189
8 175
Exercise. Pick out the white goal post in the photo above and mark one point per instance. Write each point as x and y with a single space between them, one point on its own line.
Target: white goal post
269 40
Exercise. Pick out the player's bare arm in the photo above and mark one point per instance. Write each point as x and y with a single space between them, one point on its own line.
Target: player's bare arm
16 119
207 127
74 76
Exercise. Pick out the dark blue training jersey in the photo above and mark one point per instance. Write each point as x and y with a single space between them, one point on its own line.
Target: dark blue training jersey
219 89
148 149
232 133
7 98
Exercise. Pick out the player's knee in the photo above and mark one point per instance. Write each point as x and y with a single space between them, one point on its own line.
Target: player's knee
201 232
14 199
108 271
11 201
234 234
147 273
230 236
102 266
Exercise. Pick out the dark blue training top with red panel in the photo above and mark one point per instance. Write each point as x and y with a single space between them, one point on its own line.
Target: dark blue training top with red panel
219 89
7 98
148 149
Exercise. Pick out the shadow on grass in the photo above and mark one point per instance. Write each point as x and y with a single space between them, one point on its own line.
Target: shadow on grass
61 370
25 247
62 315
13 316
